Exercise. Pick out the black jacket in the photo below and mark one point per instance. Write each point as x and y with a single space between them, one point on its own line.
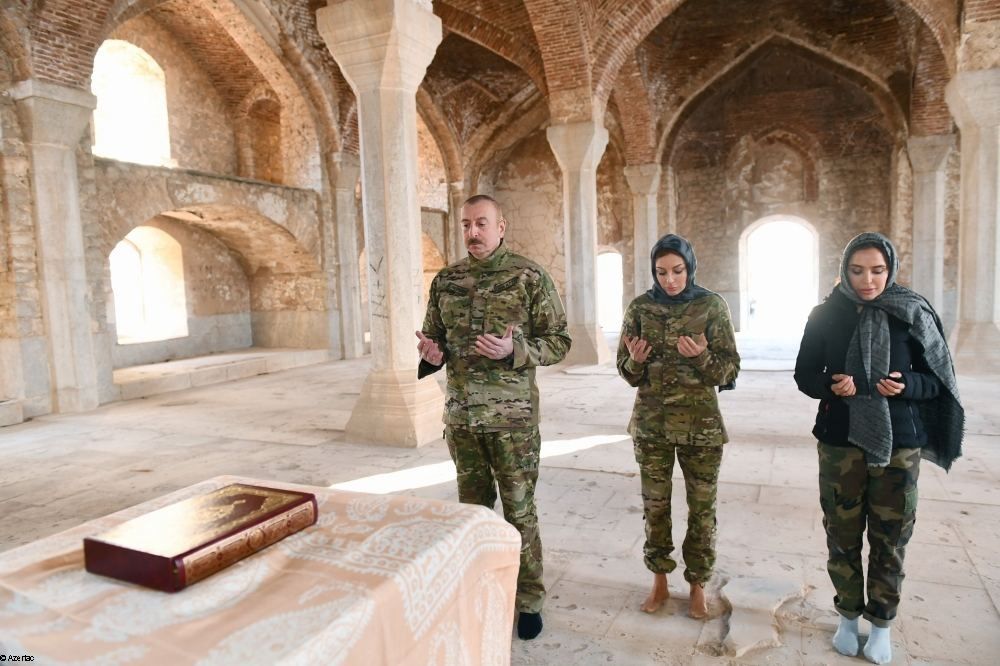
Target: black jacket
823 353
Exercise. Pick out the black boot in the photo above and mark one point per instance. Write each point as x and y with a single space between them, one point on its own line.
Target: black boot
529 625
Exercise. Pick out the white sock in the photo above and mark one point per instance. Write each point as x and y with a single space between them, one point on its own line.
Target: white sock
845 641
878 649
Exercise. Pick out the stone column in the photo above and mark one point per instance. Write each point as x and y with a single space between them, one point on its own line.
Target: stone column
929 157
974 100
644 181
54 118
347 169
456 237
578 148
383 48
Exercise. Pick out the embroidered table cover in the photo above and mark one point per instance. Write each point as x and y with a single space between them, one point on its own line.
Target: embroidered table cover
380 579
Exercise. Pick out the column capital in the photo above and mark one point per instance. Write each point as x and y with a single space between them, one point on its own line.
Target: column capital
577 146
643 178
974 98
51 113
346 170
381 43
928 153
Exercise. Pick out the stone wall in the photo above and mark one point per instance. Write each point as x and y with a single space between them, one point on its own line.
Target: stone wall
201 132
853 197
272 233
432 182
24 365
614 215
953 187
528 186
217 297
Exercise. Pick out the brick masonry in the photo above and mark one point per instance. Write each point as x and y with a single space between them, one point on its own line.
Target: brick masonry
801 109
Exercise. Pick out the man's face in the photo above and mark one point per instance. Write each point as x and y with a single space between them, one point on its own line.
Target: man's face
482 230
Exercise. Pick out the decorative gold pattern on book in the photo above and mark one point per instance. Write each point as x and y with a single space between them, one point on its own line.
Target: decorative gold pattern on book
180 527
220 555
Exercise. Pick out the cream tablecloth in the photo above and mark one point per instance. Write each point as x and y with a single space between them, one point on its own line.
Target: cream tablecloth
380 579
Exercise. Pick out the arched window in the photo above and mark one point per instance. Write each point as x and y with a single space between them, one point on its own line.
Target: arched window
779 280
147 278
130 121
609 291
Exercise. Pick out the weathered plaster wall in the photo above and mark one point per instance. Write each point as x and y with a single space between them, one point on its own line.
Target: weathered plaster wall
273 231
529 188
432 182
217 295
201 132
24 367
853 197
614 215
953 187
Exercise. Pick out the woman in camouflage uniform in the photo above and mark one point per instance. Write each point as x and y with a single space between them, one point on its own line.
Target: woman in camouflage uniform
874 355
677 345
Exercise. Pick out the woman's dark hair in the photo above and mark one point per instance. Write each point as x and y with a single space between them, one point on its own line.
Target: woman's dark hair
865 245
667 251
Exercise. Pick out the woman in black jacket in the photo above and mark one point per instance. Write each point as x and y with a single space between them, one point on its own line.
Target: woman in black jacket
874 355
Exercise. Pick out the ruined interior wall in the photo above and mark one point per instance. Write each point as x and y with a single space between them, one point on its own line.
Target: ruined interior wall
854 195
201 131
901 215
218 301
529 188
24 367
432 181
614 215
953 188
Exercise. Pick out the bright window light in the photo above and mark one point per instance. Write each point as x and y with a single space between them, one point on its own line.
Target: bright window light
130 121
782 266
147 279
609 291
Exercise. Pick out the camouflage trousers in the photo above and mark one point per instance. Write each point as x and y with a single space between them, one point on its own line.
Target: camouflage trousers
700 466
508 460
853 494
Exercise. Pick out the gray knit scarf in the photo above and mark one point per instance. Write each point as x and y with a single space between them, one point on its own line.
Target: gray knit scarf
868 357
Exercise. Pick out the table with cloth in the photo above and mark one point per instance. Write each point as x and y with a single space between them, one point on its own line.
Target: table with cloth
380 579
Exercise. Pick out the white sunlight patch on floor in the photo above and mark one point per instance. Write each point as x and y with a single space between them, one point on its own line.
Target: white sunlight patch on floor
444 472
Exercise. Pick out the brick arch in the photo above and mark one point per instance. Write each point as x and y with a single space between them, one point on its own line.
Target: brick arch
263 245
502 41
629 23
260 93
322 96
636 113
286 285
929 112
510 129
865 80
447 143
58 60
803 145
561 31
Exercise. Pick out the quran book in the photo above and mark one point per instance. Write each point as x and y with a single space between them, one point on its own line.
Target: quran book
182 543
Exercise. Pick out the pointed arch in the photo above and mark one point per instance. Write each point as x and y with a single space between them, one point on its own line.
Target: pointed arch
730 70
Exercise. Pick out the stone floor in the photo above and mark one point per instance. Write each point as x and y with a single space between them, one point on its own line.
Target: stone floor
770 600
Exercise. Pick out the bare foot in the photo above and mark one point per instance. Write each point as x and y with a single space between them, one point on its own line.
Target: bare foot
657 595
699 606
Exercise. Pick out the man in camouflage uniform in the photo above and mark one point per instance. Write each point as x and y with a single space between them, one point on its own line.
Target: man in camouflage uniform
676 351
493 317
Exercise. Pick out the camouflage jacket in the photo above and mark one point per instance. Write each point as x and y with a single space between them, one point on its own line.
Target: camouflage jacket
676 401
472 297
